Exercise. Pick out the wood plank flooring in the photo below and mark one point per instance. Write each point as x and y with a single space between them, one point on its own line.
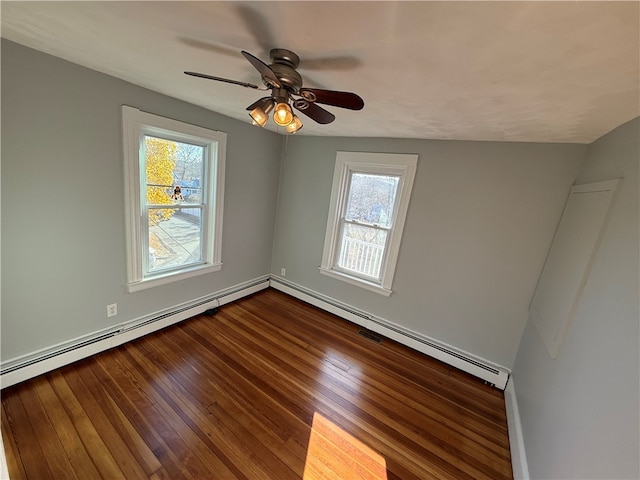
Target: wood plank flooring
268 388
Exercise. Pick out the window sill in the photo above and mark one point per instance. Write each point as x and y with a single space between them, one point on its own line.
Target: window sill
373 287
172 277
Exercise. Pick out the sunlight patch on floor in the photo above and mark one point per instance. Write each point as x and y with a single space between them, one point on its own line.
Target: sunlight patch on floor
334 454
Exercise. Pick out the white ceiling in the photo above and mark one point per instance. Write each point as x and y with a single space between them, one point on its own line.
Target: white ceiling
514 71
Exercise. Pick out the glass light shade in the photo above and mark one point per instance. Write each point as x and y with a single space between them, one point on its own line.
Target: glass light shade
294 126
259 116
283 114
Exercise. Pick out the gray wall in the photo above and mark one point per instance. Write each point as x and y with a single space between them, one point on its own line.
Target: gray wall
579 413
480 221
63 240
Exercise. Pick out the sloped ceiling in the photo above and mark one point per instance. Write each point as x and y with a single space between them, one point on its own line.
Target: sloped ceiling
513 71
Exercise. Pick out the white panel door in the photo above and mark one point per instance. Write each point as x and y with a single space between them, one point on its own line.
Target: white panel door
569 261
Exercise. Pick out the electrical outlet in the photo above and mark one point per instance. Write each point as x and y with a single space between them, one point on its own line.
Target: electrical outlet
283 272
112 310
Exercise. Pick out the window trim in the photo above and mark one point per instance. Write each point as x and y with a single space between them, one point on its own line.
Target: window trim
402 165
135 125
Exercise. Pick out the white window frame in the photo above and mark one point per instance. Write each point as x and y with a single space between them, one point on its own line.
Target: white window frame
135 125
402 165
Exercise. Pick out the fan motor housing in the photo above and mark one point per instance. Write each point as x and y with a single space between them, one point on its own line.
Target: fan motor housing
284 66
289 78
284 57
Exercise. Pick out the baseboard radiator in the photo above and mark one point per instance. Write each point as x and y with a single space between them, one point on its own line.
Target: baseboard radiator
36 363
487 371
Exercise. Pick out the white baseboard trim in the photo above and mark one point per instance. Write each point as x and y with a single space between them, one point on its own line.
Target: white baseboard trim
467 362
36 363
28 366
516 440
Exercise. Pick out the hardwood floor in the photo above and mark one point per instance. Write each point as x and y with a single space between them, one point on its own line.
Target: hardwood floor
236 396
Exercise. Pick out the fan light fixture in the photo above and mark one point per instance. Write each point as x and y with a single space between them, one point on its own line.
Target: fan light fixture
283 115
294 126
260 114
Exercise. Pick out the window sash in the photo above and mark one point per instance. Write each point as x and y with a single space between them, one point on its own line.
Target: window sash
365 224
363 171
366 258
149 272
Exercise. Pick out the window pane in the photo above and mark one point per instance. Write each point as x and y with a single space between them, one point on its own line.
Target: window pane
174 238
372 198
362 249
174 171
189 172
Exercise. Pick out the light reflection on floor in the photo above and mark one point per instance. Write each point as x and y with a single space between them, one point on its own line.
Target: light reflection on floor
335 454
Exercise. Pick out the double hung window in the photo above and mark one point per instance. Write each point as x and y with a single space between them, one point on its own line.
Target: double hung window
175 180
369 202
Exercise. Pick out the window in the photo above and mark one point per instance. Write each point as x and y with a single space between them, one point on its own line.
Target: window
174 174
369 202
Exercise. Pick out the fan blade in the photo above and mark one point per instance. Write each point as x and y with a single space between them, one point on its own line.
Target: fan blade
342 63
220 79
257 24
263 68
330 97
209 46
317 113
257 103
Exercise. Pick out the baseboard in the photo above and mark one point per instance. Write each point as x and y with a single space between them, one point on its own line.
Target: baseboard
516 440
36 363
479 367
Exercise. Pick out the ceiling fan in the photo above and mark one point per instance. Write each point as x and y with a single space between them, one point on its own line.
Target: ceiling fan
286 88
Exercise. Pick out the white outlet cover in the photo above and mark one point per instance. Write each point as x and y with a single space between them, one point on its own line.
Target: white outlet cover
112 310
